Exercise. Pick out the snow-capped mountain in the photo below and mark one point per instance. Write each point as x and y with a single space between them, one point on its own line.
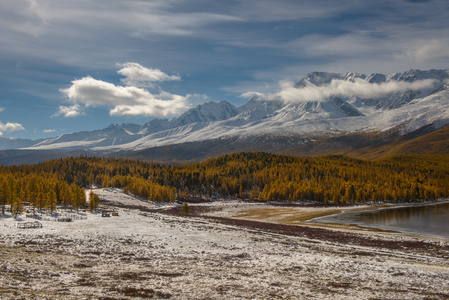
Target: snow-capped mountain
207 112
112 135
350 103
13 143
203 113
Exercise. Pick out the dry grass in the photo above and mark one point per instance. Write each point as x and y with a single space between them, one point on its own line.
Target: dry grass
295 215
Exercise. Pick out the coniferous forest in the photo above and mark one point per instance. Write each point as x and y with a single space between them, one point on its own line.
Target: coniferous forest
332 180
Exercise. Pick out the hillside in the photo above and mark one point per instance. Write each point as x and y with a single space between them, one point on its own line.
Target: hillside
377 146
336 180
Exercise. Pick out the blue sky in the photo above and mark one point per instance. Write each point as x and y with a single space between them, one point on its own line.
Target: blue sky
68 66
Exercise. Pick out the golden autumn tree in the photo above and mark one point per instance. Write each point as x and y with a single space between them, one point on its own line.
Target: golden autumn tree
94 201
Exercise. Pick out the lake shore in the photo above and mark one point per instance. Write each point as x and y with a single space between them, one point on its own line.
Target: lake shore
288 214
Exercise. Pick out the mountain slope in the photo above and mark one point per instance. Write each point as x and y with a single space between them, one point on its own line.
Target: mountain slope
116 135
112 135
10 143
365 146
423 141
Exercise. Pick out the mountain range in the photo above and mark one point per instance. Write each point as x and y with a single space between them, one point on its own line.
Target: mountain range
323 113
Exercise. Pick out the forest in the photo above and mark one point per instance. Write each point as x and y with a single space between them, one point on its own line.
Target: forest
258 176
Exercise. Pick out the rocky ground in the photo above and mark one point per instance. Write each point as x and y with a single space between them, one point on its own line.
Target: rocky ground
149 251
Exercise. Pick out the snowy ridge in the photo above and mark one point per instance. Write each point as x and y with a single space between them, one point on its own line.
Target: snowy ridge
403 109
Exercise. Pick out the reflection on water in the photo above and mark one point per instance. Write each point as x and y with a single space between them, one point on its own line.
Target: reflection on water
430 220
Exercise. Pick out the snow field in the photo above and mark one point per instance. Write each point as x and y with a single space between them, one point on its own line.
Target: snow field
141 254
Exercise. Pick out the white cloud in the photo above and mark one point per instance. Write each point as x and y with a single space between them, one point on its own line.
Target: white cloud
49 130
126 100
342 88
425 50
356 43
9 127
266 11
69 111
137 75
147 104
251 94
92 35
139 19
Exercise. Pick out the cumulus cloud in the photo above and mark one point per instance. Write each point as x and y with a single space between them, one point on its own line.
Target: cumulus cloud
129 100
9 127
138 75
341 88
143 103
49 130
69 111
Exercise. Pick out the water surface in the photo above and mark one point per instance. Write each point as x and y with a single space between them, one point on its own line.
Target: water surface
429 220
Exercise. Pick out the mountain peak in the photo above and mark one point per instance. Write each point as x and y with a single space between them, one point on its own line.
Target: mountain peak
413 75
207 112
324 78
376 78
318 79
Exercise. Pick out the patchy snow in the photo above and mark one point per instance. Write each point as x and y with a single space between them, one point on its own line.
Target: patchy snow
117 196
144 254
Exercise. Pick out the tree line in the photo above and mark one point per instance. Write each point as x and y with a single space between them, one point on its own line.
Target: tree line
42 192
335 179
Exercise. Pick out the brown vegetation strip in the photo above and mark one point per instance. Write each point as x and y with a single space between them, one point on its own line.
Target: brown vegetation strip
338 236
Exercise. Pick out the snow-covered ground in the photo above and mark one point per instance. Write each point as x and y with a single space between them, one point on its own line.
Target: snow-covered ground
144 254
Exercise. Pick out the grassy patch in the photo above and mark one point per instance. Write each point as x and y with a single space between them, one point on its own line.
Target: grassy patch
142 293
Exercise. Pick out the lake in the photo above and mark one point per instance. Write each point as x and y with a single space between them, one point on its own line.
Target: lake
429 219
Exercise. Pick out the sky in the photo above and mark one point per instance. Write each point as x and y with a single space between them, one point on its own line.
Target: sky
68 66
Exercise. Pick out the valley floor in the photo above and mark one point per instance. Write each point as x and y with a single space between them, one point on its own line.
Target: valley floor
147 252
